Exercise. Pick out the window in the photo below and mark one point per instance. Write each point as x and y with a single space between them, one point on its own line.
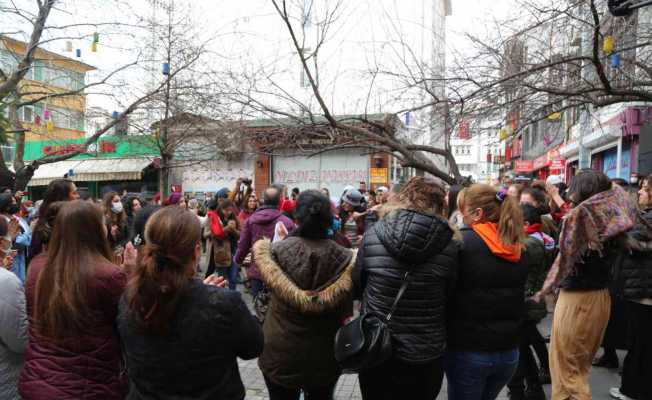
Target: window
53 75
36 72
8 61
26 114
7 153
67 119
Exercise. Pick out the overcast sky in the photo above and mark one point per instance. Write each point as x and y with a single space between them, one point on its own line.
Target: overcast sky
247 31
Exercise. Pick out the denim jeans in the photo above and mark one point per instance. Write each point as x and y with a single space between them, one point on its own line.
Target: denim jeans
233 275
230 273
478 375
256 286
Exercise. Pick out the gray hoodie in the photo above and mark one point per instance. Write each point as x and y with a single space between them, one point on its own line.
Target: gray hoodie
13 333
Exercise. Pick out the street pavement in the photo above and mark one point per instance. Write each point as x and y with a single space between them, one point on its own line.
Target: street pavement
601 379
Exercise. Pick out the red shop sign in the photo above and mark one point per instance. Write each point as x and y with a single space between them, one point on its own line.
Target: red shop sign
523 166
557 164
541 162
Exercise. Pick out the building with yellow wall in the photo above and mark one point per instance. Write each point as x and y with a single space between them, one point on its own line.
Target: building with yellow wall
50 73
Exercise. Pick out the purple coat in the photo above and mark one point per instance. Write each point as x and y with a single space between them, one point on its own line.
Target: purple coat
85 366
260 225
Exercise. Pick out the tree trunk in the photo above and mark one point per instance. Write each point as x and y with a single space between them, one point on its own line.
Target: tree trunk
164 177
7 177
23 176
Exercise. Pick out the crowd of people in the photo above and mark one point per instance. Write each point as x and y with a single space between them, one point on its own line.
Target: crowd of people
109 301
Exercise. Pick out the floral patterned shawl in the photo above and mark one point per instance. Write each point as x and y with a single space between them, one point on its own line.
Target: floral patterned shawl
587 226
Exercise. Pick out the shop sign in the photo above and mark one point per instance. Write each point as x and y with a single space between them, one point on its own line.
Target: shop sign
557 164
523 166
540 162
378 175
554 159
516 147
104 147
465 131
551 159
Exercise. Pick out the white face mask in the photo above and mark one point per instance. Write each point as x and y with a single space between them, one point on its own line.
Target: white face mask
117 207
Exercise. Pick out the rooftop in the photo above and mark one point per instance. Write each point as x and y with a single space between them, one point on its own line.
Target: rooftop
42 54
317 119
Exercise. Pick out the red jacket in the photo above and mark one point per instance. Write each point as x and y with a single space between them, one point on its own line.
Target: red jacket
82 367
216 225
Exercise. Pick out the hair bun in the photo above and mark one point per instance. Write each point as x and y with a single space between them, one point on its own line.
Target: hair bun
315 208
160 259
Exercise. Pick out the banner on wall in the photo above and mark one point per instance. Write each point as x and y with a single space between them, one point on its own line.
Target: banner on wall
333 171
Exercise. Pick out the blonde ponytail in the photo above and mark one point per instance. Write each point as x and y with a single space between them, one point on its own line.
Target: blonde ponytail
498 208
510 222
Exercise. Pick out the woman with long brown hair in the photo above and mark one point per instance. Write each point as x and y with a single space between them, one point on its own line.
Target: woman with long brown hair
249 206
116 221
181 337
57 190
72 296
410 250
488 303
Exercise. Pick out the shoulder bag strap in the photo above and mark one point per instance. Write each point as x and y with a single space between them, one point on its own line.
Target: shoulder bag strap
401 291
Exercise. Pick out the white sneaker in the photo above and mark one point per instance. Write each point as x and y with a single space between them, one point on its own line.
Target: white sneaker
616 394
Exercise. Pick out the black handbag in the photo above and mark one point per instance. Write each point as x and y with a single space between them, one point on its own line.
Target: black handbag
366 342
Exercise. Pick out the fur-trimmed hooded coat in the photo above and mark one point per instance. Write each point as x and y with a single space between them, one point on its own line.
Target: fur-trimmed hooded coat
310 283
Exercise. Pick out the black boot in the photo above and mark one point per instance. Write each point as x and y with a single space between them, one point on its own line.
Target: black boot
607 361
516 394
544 377
535 393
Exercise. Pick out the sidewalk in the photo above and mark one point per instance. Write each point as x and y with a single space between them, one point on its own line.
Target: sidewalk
601 379
347 389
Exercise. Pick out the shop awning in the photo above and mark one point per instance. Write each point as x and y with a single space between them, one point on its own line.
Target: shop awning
107 169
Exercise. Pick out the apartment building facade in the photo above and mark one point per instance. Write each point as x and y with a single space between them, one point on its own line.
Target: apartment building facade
50 74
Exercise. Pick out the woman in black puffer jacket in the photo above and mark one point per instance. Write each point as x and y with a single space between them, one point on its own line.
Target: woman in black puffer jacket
411 236
488 307
636 279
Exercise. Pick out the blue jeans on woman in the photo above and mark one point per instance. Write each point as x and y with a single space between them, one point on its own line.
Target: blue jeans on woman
478 375
230 273
234 272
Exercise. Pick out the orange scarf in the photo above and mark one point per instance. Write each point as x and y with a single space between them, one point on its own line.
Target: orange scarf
488 231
